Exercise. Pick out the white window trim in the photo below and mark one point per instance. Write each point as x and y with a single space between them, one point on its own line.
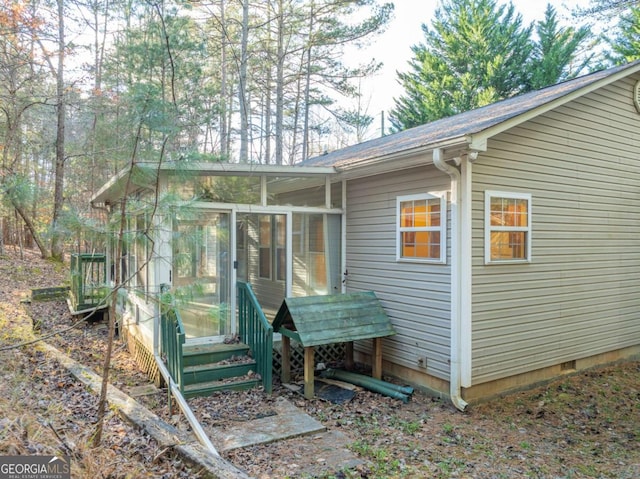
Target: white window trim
442 228
488 228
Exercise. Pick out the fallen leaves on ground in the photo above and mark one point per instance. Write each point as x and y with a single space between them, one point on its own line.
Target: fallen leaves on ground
46 411
584 425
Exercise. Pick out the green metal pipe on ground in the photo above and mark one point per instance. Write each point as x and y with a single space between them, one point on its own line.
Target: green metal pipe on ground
376 385
408 390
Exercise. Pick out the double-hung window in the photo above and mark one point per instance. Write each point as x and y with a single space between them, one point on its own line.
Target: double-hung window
421 228
507 227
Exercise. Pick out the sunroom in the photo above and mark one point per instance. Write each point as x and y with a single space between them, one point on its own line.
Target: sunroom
199 229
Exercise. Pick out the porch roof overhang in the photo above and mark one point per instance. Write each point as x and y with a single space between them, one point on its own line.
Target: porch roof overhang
145 176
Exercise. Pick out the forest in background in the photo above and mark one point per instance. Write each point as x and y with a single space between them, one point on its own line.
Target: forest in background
88 87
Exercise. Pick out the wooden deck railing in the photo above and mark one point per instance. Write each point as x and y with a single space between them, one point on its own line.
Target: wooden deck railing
172 339
256 332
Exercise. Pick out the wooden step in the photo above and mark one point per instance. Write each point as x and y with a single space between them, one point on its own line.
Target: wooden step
205 389
202 373
194 354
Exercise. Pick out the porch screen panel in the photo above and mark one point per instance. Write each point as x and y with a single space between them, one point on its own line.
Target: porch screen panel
201 264
142 254
296 191
316 254
317 262
265 258
280 247
264 239
241 248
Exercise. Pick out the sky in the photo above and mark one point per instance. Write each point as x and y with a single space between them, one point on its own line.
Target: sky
393 47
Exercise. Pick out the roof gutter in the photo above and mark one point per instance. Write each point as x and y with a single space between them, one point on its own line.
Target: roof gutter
399 160
456 280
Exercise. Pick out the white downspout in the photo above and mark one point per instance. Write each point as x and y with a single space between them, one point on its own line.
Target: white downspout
456 278
343 237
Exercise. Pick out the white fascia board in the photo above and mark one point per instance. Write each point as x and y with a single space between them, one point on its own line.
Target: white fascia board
245 208
114 184
249 169
114 188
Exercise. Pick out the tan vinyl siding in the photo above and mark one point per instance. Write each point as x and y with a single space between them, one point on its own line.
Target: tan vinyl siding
579 296
416 296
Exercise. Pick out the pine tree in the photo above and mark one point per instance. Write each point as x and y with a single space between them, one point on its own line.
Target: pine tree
625 47
477 53
555 52
472 56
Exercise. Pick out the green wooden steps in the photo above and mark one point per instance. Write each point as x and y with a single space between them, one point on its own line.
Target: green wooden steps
217 367
195 354
216 372
206 389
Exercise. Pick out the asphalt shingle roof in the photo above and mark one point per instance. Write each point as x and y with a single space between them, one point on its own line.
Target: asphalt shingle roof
467 123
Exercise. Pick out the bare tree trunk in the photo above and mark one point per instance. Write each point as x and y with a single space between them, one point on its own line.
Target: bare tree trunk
280 84
223 84
30 226
118 281
307 89
242 85
19 236
296 115
98 59
267 121
102 402
57 245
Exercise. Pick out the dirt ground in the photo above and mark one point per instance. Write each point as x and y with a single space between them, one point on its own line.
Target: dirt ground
583 425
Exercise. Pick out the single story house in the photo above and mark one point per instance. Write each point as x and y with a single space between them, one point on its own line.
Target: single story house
503 242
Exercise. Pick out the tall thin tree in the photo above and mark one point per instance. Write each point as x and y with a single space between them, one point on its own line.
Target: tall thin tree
57 240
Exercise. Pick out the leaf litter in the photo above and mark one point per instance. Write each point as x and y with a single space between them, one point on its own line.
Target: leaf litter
584 425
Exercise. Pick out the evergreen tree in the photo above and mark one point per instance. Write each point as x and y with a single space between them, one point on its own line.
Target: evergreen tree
473 55
554 56
477 53
625 47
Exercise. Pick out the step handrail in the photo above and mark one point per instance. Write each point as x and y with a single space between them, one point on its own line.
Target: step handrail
256 332
172 342
170 362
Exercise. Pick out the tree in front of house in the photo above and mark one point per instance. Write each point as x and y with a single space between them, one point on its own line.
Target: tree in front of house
478 52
